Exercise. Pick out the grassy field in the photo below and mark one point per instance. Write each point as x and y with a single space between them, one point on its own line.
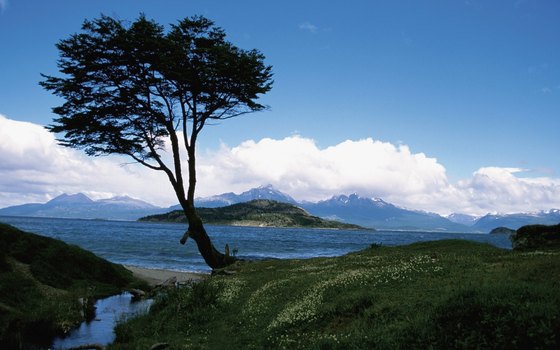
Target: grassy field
443 295
47 287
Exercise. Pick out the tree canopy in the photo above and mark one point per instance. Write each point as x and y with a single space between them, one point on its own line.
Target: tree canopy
128 88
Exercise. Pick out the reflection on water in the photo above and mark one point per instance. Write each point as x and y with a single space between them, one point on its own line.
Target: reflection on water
100 330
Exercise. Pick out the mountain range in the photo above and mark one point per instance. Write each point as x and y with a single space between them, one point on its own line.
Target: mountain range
80 206
367 212
262 192
515 221
381 215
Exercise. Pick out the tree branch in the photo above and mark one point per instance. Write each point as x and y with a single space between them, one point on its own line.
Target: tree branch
144 163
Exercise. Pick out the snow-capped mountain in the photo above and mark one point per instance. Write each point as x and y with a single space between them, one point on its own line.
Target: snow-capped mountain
515 221
69 199
376 213
262 192
80 206
463 219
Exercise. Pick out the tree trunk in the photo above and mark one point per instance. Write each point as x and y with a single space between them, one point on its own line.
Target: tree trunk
210 254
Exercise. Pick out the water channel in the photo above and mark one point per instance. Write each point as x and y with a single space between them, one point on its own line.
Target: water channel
101 330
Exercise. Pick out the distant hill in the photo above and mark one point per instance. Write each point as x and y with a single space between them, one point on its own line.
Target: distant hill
260 212
81 207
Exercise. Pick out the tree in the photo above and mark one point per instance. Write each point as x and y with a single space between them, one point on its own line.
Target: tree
130 88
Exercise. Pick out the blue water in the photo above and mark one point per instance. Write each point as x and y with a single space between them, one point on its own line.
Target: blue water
156 245
100 330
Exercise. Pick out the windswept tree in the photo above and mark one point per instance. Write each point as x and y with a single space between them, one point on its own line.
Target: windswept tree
130 88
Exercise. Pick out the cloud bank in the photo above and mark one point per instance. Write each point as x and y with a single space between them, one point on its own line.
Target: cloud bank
34 168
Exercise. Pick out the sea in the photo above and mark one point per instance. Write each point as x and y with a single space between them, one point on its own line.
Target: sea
156 245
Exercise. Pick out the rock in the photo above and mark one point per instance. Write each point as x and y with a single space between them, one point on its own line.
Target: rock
137 294
170 282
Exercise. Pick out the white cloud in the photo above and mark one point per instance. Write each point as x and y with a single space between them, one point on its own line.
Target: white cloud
3 5
493 189
297 166
301 168
308 27
33 168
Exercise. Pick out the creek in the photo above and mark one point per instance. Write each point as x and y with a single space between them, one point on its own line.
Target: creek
101 330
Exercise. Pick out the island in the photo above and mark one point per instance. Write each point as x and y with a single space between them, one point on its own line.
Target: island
258 213
502 230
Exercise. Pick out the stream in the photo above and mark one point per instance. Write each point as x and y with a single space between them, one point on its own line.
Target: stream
101 330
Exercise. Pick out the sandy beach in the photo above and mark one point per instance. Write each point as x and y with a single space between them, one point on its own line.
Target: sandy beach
156 276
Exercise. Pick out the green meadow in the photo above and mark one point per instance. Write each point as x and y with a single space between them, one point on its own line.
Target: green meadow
443 295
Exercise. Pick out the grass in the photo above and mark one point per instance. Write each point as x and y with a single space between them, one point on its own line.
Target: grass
42 281
443 295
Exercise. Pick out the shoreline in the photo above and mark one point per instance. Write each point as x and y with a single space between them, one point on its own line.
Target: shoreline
158 276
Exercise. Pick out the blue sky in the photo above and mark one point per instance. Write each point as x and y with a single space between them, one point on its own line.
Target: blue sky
471 84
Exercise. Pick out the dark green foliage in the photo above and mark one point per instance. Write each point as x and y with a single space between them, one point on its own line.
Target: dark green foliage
495 317
58 264
15 289
536 236
4 266
259 212
128 87
41 280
